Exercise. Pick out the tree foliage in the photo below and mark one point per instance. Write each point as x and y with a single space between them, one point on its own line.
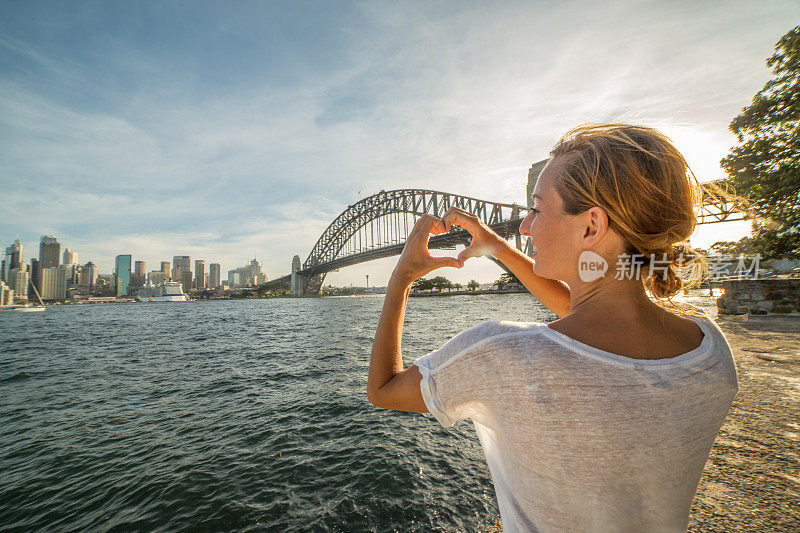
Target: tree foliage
765 166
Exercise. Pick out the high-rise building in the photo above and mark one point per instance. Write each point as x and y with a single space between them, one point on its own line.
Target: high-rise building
166 268
122 275
139 274
54 283
19 280
70 257
199 274
182 271
156 277
248 275
87 276
12 259
70 260
49 251
36 279
214 272
6 294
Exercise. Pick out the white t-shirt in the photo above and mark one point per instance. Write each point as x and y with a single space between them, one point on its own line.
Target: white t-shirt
578 439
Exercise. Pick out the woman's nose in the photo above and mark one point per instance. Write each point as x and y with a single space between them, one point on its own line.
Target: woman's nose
524 226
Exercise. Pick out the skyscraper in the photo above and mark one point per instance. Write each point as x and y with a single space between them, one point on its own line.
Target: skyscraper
36 279
200 274
70 257
54 283
214 272
19 281
70 260
122 275
139 274
182 271
166 268
88 276
49 251
12 259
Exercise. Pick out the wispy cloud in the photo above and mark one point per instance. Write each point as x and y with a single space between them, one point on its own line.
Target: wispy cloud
222 133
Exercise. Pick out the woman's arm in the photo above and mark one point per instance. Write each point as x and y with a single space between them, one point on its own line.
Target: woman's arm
388 385
553 294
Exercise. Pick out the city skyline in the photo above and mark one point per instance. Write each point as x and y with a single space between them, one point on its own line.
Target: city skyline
291 114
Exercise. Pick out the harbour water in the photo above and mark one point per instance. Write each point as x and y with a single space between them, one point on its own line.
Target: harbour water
232 415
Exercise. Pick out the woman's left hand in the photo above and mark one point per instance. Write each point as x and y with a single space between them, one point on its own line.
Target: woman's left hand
416 261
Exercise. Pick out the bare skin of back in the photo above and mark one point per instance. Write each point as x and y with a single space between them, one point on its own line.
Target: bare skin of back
653 334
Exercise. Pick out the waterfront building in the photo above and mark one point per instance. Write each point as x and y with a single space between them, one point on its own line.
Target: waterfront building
19 280
49 251
105 285
234 278
6 294
122 275
87 276
139 274
166 268
249 275
186 280
214 271
70 260
182 271
70 257
157 277
36 278
54 283
12 259
199 274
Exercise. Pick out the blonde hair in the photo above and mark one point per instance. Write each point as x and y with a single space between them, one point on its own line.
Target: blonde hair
649 192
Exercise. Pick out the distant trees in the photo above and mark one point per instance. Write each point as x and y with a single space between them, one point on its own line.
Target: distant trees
438 283
506 279
765 167
744 245
473 285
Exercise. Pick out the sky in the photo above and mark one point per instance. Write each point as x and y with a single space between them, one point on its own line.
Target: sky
227 131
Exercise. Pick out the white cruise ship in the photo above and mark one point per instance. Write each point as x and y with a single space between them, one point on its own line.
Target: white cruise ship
169 291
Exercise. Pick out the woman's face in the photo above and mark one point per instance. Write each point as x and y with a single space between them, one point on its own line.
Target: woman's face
553 233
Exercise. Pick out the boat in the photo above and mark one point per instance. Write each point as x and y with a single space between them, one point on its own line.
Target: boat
169 291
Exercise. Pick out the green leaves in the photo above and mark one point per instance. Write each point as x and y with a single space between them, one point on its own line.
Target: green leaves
765 167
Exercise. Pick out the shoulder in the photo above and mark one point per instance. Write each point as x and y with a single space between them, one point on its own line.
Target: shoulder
484 338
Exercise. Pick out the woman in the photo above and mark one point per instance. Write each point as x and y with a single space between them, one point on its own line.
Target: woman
603 419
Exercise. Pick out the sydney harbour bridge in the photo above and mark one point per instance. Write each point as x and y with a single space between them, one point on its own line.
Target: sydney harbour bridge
377 226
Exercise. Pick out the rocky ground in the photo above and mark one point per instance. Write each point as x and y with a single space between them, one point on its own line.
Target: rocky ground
751 481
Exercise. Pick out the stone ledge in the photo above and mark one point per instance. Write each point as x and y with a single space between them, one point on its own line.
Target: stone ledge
760 297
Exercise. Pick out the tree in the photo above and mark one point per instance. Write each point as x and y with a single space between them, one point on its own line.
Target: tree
422 284
473 285
440 282
458 286
509 279
742 246
765 167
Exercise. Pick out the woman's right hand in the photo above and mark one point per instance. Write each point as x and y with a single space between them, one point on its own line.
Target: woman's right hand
484 240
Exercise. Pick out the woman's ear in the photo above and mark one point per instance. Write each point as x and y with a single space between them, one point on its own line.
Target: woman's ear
595 225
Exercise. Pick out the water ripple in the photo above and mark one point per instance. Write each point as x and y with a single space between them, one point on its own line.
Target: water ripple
231 416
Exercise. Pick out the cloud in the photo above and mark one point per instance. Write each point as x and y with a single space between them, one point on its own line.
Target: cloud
250 131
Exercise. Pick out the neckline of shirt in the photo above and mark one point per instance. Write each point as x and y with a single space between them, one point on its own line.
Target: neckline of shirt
703 349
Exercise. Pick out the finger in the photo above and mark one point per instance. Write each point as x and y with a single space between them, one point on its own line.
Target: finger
462 218
473 250
453 262
438 226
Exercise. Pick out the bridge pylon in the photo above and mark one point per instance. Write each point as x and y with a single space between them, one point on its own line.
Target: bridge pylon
299 281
